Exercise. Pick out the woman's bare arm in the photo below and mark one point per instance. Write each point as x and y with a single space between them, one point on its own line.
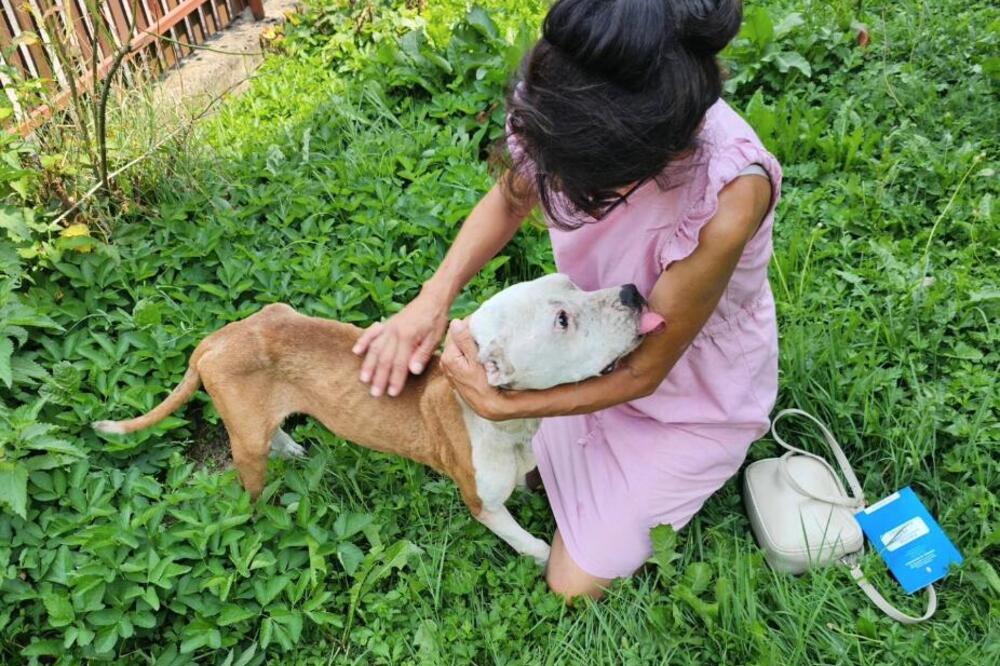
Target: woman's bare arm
405 342
487 230
685 295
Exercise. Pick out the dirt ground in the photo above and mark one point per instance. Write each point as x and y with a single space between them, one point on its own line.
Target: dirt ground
205 74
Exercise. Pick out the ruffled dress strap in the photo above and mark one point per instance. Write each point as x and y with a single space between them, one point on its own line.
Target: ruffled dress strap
725 164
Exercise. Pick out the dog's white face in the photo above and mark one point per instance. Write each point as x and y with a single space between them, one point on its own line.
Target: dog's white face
547 332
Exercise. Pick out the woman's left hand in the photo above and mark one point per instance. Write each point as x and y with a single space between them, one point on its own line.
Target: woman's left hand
467 375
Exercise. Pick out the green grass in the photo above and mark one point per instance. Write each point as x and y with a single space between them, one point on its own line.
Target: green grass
335 184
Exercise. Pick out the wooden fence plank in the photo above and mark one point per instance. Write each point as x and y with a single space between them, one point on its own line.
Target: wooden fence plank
169 50
223 11
208 11
81 33
36 50
154 53
9 31
119 11
45 20
95 27
175 33
119 19
197 26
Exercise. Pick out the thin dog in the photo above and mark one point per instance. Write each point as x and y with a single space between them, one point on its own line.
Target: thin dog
533 335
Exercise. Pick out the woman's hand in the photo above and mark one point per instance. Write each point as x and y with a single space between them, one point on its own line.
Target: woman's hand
460 361
402 344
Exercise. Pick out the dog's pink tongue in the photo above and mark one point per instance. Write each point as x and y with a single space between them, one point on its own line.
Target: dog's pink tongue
649 322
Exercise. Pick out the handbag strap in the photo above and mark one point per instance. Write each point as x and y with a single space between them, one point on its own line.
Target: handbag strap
857 501
858 497
859 577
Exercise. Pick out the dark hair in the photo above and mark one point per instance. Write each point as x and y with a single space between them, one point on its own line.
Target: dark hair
612 93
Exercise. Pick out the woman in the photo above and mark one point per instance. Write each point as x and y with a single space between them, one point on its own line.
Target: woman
616 129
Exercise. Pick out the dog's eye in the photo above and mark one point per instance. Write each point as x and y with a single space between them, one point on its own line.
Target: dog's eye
562 320
610 367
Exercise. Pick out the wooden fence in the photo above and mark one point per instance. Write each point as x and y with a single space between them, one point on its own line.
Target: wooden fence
41 39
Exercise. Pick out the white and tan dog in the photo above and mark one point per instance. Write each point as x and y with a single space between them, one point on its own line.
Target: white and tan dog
533 335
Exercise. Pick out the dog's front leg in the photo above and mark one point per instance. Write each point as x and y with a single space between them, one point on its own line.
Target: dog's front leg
525 458
500 522
495 456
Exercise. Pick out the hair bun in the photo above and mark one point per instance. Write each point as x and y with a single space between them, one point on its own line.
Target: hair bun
626 40
707 26
622 39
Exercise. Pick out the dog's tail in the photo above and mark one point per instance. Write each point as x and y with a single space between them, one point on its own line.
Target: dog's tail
181 394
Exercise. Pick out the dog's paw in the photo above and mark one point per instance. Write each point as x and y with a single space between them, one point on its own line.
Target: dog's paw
283 446
295 450
541 554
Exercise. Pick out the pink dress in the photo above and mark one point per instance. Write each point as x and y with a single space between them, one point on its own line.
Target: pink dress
612 475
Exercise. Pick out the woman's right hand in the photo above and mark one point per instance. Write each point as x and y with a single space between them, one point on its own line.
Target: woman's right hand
402 344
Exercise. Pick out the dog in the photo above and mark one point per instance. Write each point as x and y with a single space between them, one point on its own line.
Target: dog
533 335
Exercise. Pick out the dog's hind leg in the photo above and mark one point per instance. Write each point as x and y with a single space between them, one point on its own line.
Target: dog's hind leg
249 444
499 521
246 412
283 446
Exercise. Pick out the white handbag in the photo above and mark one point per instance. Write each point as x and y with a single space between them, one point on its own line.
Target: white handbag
803 517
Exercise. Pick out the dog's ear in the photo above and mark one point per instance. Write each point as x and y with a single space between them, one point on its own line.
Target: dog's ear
499 371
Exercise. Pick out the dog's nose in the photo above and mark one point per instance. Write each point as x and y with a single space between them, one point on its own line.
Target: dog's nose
631 298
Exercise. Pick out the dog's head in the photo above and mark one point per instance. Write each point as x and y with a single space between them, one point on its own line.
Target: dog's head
546 332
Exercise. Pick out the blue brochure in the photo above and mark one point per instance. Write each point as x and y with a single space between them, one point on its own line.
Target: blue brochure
913 545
